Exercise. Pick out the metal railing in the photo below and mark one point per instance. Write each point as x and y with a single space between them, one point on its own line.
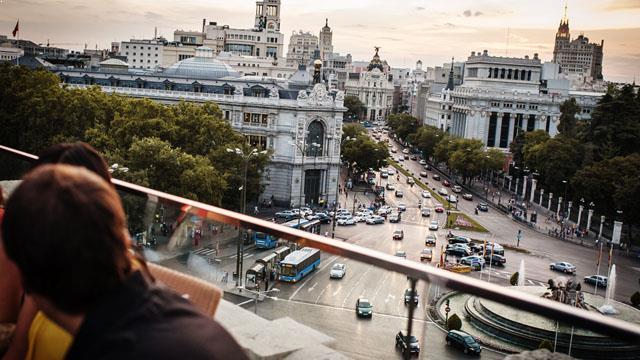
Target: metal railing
626 331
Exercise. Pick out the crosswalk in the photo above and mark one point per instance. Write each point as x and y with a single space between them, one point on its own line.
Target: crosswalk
502 274
205 252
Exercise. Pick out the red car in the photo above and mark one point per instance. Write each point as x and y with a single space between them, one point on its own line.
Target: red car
439 208
446 183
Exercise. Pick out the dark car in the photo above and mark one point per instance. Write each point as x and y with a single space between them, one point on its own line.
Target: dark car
458 239
322 217
414 157
411 296
495 259
446 183
483 207
458 251
364 308
399 194
475 247
464 341
407 343
430 240
436 177
398 235
596 280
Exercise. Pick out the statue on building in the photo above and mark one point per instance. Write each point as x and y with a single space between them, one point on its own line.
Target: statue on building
273 93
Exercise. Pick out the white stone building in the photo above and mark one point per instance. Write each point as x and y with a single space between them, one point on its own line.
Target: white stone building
257 66
325 41
374 88
272 113
143 53
301 47
10 53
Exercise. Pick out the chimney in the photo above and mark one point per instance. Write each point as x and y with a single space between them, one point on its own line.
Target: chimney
473 53
204 21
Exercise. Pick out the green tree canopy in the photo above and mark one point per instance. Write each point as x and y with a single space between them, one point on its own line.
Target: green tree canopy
352 131
402 125
569 109
355 108
364 153
425 139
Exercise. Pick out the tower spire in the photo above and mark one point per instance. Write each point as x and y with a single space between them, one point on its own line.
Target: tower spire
450 82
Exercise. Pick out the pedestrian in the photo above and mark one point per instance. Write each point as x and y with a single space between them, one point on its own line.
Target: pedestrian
255 209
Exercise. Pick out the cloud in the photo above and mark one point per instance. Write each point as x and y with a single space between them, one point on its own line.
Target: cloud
623 5
470 13
420 8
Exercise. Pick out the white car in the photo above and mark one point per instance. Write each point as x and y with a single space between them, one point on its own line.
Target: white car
405 151
346 221
366 212
338 271
360 218
391 171
468 260
425 194
452 199
432 225
423 162
400 158
373 220
443 192
402 207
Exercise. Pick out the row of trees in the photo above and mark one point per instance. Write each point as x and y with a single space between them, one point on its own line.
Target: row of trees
179 149
467 157
598 159
360 151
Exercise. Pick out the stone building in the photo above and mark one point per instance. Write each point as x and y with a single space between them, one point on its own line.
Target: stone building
300 123
577 56
374 88
301 47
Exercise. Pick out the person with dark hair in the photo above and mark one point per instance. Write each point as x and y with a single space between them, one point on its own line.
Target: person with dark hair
78 154
64 228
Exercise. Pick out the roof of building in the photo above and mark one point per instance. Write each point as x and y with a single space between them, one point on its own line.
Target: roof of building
32 62
376 63
113 62
202 66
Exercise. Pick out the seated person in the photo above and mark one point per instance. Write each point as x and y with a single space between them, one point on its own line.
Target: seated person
64 228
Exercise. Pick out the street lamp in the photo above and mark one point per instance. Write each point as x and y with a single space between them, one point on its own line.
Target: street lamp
303 148
565 182
335 205
246 158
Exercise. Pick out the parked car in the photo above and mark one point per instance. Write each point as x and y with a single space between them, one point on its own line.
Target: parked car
426 194
398 235
391 171
408 344
360 218
394 217
346 221
402 207
493 247
426 255
410 296
452 199
405 151
413 157
286 214
443 192
338 271
433 225
483 207
446 183
384 174
364 308
464 341
375 219
410 180
565 267
470 260
467 196
400 158
495 259
475 247
426 212
390 186
394 150
423 162
460 246
427 167
458 251
399 194
424 174
406 157
596 279
401 253
436 177
456 239
456 189
431 239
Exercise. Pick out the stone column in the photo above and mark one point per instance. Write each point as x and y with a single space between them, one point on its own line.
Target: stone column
601 224
533 189
589 215
541 193
498 130
510 178
559 204
516 190
550 198
569 206
524 188
580 208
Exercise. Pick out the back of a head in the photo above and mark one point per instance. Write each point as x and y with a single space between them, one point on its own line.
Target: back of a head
78 154
65 229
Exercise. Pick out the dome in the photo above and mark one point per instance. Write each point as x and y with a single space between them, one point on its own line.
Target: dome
202 66
376 63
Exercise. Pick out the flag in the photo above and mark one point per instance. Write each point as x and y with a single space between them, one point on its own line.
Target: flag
16 29
610 256
599 256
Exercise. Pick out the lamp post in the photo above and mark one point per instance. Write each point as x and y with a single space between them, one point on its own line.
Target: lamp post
246 158
303 147
565 182
335 208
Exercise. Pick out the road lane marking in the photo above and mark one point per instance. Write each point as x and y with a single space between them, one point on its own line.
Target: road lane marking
344 302
322 292
312 287
384 280
329 262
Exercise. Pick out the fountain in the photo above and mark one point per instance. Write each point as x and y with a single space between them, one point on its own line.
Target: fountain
607 308
521 274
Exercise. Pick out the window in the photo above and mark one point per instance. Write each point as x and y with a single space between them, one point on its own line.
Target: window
257 141
315 136
473 72
227 115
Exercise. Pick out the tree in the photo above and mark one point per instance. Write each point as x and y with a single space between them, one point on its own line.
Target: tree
364 154
466 158
355 108
516 147
454 322
402 125
425 139
556 160
567 125
352 131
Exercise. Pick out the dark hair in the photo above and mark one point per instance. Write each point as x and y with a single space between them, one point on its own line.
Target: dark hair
64 227
79 154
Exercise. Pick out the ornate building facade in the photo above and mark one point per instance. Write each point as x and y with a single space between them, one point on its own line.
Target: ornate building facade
301 124
374 88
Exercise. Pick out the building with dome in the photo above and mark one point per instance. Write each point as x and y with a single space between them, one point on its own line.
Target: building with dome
374 87
300 122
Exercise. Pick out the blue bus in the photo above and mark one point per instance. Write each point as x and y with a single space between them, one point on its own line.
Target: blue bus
265 241
310 226
298 264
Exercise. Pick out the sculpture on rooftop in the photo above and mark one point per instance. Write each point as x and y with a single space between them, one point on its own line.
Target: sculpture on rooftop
567 293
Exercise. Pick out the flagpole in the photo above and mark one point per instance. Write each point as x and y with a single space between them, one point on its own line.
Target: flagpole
18 33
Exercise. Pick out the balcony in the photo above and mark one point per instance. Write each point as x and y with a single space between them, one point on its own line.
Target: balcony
315 316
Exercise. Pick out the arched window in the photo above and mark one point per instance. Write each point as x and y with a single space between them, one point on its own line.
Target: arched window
515 74
315 139
509 75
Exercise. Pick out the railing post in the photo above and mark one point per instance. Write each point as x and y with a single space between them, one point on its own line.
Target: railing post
412 281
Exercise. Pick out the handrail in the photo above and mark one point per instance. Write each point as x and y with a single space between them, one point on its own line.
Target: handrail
625 331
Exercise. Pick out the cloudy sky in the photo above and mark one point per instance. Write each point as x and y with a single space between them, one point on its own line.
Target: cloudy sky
406 30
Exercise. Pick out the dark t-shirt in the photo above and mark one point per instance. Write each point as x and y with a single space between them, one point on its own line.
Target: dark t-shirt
144 321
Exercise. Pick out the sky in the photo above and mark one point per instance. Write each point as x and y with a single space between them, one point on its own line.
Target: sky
406 30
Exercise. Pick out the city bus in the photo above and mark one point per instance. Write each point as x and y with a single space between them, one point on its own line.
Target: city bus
298 264
310 226
265 269
264 240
